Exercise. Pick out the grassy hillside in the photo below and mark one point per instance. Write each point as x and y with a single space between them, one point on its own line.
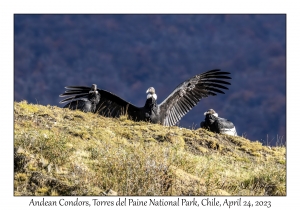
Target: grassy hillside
63 152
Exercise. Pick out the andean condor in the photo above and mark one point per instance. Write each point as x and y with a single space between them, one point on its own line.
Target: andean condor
87 102
216 124
185 96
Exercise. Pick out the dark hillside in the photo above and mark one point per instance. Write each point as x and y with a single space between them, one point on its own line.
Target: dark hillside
127 54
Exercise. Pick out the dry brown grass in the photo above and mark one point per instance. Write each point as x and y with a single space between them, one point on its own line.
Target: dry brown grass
64 152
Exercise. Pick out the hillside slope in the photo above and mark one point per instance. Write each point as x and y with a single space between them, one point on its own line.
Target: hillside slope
63 152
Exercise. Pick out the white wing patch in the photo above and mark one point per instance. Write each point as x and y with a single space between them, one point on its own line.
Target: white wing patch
228 131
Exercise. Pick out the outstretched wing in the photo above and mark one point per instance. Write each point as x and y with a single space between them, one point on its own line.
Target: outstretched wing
110 105
82 104
74 93
189 93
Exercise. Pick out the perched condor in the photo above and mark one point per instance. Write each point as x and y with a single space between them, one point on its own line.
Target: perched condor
86 102
217 124
169 112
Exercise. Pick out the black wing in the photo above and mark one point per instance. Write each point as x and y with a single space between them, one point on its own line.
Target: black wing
189 93
80 104
110 105
75 93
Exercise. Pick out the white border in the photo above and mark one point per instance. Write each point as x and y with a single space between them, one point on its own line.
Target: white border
8 8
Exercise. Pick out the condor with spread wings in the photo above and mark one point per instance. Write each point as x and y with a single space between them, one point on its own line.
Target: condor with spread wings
168 113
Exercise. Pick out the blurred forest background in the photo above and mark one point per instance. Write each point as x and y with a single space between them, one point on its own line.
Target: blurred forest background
126 54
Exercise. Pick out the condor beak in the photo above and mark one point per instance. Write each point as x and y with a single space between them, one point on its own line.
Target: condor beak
148 91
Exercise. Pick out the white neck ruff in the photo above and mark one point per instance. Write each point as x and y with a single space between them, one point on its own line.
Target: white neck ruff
215 114
152 95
